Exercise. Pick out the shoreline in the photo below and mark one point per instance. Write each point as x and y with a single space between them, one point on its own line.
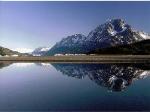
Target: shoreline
83 59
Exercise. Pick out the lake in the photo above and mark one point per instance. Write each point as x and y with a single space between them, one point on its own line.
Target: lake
68 86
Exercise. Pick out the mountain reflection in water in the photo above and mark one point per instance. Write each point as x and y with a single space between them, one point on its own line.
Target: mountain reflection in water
115 77
4 64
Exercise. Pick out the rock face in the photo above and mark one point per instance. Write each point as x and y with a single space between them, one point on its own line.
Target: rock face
113 77
112 33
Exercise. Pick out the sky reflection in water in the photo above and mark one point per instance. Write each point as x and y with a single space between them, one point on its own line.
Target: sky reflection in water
66 86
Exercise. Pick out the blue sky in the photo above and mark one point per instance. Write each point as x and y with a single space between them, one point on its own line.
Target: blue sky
34 24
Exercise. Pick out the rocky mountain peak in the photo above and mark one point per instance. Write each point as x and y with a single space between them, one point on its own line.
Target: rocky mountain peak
113 32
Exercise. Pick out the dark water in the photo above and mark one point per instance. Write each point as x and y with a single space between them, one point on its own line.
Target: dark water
45 86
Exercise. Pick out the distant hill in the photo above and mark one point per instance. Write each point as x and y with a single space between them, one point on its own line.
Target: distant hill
8 52
138 48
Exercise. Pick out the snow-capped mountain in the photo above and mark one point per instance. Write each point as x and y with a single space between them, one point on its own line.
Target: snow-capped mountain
40 51
112 33
113 77
71 44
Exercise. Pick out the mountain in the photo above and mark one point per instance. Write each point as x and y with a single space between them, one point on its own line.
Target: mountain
71 44
40 51
112 33
142 47
112 76
6 51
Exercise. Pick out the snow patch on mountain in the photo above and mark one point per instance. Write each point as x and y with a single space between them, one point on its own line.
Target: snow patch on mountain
45 49
144 35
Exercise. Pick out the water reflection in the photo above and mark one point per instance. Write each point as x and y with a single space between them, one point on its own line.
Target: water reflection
114 77
4 64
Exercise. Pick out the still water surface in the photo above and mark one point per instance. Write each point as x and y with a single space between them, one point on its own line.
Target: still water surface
66 86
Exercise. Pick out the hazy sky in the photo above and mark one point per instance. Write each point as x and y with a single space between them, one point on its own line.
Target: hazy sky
34 24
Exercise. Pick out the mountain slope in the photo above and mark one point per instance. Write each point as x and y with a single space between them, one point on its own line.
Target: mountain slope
8 52
112 33
142 47
71 44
